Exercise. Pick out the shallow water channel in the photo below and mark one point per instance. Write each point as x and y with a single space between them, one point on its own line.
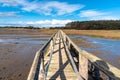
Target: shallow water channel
107 49
28 39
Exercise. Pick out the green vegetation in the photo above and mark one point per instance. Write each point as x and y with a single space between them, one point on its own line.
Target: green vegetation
94 25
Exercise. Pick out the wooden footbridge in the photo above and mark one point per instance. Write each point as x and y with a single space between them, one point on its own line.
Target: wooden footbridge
61 59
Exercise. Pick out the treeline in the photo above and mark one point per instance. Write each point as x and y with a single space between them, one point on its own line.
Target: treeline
94 25
27 27
82 25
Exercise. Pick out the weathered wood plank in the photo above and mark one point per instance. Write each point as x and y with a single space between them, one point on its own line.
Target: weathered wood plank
83 67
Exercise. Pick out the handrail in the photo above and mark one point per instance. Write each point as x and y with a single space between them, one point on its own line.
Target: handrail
71 59
112 71
33 69
47 65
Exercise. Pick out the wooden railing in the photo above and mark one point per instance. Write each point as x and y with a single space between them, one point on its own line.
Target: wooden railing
37 71
85 65
91 66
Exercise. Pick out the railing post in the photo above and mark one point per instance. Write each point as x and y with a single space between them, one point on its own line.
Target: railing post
83 67
68 44
51 44
42 72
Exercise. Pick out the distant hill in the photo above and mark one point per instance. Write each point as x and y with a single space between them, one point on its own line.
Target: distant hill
94 25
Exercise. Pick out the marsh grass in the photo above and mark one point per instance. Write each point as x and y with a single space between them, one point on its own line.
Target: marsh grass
110 34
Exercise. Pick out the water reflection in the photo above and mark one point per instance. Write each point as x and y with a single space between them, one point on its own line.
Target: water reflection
28 39
105 45
106 49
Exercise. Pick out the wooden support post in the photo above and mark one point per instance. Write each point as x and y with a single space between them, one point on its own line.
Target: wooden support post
83 67
41 72
69 45
51 44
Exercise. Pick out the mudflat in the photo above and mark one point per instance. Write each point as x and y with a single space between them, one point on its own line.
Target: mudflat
17 51
16 60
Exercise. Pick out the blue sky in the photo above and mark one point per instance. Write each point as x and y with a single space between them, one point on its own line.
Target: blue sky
46 13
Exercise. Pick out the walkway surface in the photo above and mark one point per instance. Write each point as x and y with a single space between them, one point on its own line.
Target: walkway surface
60 67
61 59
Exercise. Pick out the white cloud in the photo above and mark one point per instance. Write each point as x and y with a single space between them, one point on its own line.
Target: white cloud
97 15
8 14
53 22
60 8
41 23
8 3
46 8
90 13
13 2
52 8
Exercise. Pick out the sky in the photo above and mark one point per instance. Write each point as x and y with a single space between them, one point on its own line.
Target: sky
50 13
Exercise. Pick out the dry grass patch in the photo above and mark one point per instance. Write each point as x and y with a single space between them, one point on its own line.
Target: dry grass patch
111 34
